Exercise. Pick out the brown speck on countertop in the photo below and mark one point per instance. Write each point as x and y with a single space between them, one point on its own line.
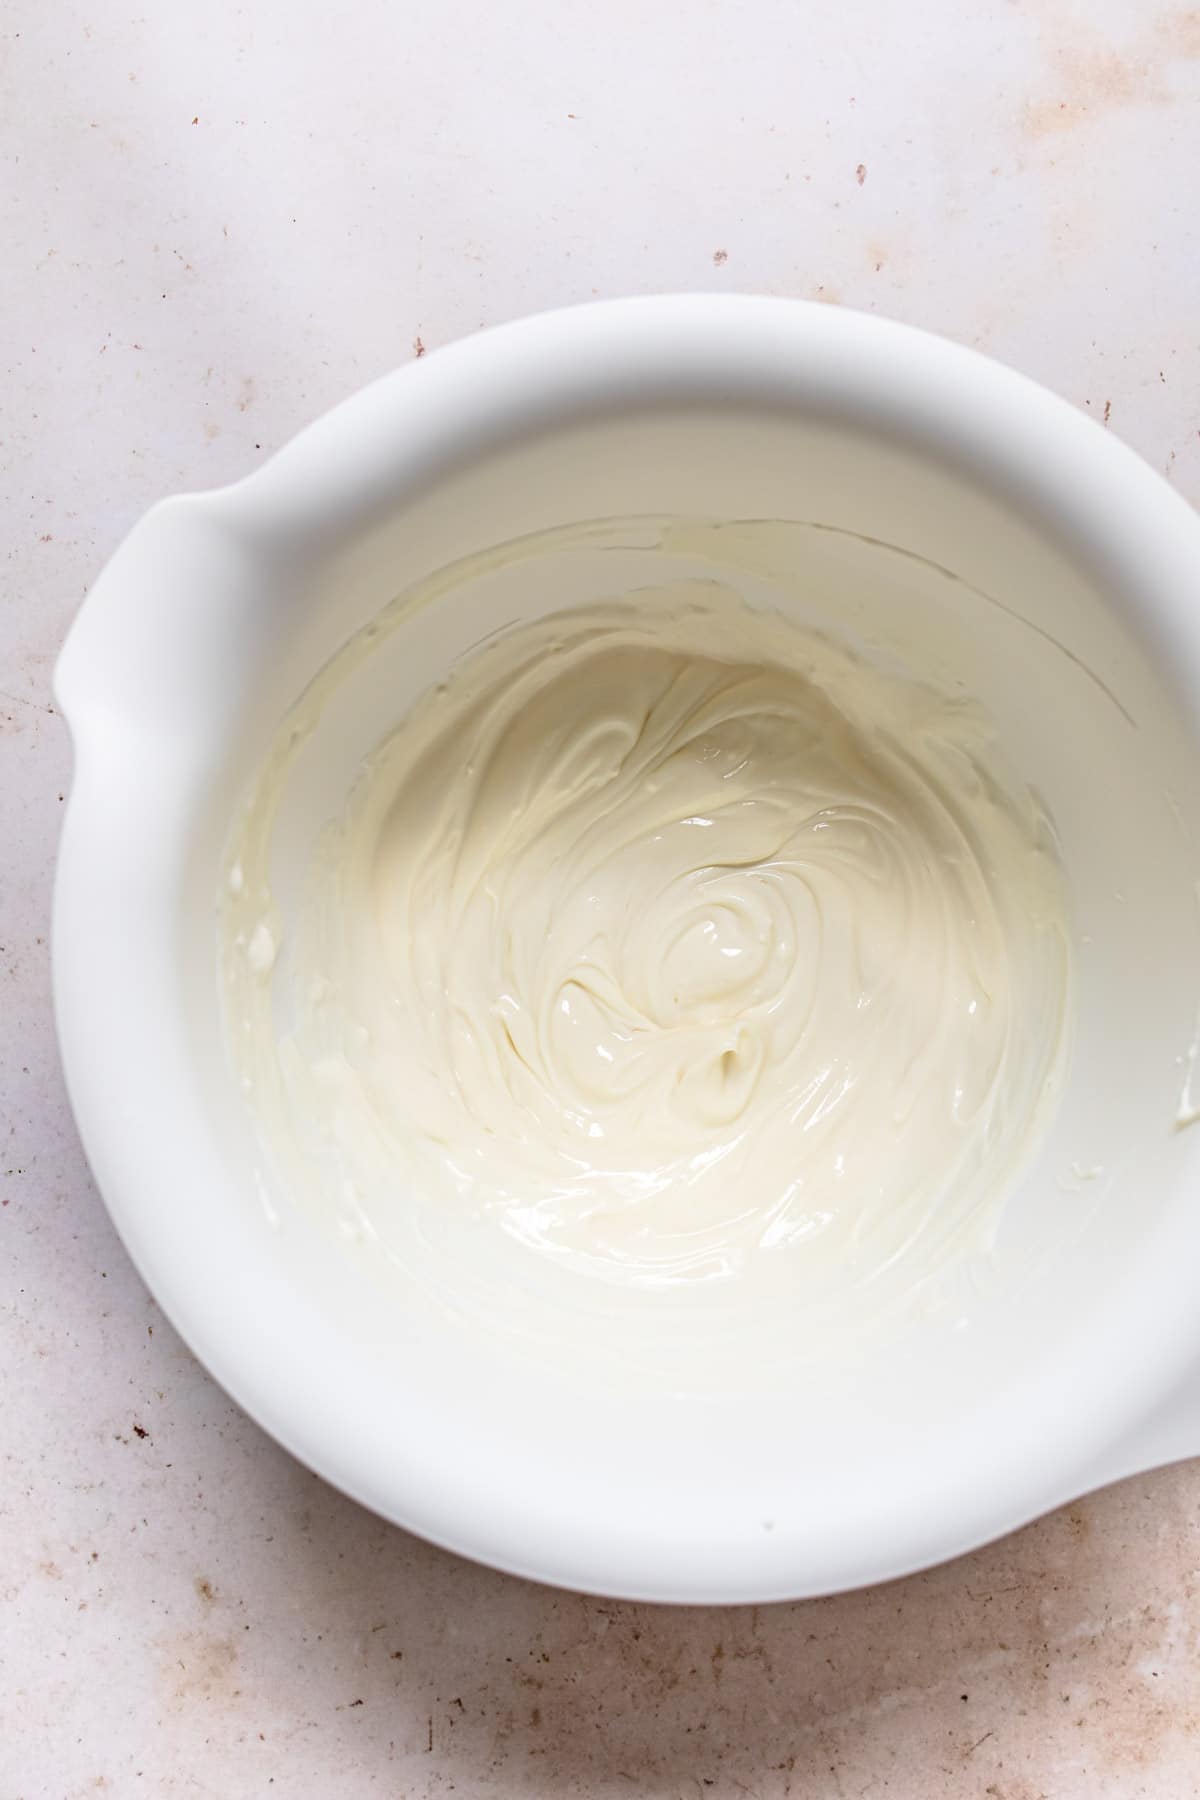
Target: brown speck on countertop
720 256
1085 80
196 120
205 1589
860 174
418 347
1107 411
140 1431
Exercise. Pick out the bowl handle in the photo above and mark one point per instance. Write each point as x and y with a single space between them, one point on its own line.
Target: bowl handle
164 626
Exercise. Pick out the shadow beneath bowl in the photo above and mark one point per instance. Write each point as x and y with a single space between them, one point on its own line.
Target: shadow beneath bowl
1051 1650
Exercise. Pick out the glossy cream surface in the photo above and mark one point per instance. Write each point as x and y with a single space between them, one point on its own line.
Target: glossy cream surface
675 944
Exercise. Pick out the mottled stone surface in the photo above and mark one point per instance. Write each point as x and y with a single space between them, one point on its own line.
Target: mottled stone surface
217 221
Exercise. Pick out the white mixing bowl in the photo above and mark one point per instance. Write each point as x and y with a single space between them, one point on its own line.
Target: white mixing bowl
947 505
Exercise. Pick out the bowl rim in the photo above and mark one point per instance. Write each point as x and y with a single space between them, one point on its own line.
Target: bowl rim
1097 491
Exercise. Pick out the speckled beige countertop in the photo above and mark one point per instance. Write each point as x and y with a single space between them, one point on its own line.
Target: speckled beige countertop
216 221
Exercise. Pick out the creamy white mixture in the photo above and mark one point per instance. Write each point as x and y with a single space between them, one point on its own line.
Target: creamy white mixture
675 943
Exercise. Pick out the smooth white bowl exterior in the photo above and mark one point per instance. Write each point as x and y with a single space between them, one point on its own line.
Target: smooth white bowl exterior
218 610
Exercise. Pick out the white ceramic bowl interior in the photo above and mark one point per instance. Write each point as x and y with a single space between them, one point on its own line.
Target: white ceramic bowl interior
945 510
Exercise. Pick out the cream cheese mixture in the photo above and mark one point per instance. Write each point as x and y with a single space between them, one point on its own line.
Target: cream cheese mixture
674 942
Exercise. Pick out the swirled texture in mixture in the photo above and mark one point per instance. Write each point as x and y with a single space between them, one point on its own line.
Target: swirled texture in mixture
670 938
